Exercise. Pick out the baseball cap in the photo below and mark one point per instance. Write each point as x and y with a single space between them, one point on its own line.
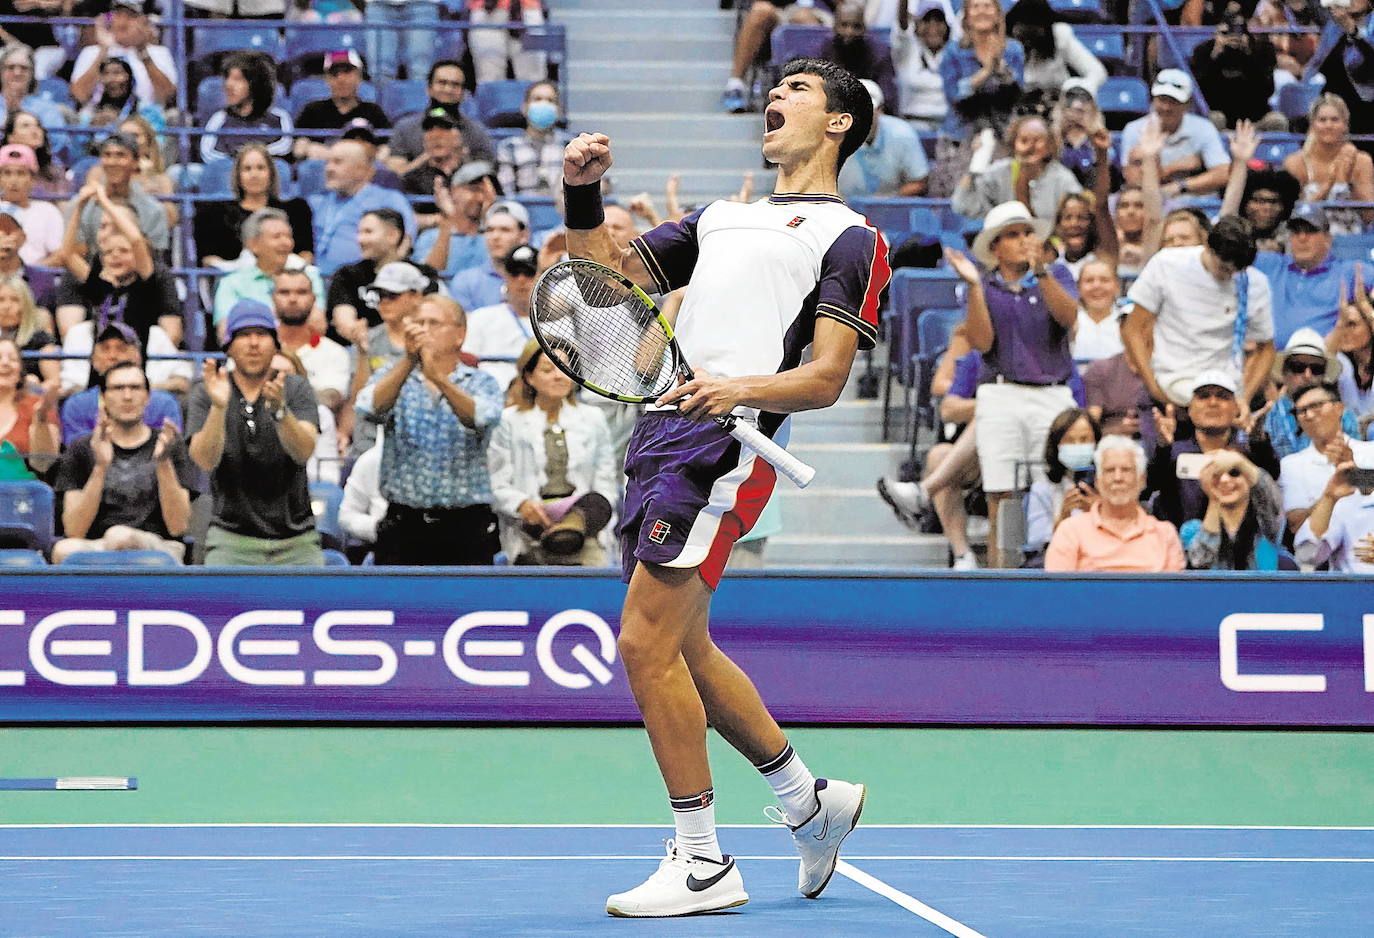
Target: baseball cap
522 259
360 128
250 314
399 277
19 154
875 94
469 173
119 139
118 329
1216 378
343 58
132 6
1306 213
1078 87
930 8
513 209
439 117
1173 83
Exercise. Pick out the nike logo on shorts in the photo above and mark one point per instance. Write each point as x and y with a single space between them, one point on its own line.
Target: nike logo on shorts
699 885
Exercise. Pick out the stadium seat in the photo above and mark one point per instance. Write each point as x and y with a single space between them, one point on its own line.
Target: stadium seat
1107 45
325 500
1353 247
81 168
309 177
1186 38
1296 97
1080 11
404 96
209 97
26 514
303 91
790 42
236 38
1122 100
498 102
543 213
55 90
335 558
16 557
120 558
214 179
913 291
933 329
302 43
1275 148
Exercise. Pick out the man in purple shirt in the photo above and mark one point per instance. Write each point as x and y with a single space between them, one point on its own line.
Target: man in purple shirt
1020 316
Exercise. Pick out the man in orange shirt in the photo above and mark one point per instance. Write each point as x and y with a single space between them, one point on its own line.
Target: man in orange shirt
1116 533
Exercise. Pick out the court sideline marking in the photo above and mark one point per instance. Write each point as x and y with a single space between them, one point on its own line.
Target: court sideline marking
1031 827
913 905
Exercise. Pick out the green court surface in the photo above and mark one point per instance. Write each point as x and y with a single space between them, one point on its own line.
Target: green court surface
606 776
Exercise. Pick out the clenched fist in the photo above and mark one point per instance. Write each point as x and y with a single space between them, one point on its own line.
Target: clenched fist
586 159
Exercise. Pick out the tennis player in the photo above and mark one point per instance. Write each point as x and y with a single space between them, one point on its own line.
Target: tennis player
765 280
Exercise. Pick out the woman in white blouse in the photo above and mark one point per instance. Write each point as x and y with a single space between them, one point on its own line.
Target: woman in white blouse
553 474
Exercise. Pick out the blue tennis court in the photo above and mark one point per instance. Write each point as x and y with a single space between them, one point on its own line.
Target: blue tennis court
78 881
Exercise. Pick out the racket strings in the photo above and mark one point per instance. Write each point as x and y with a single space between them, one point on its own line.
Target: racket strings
608 336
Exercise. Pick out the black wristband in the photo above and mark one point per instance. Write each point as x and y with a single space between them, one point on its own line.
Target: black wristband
582 209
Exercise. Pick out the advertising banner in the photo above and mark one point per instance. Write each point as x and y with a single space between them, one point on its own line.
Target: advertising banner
522 646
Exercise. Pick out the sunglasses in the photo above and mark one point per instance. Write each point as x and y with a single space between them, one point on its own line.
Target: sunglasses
1297 368
1213 394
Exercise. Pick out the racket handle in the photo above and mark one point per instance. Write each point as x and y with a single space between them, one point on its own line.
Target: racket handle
780 459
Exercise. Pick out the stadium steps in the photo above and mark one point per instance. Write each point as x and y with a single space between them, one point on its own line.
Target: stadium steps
649 73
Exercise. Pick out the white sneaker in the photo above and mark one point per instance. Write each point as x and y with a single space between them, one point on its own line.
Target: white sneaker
966 561
818 838
683 885
908 499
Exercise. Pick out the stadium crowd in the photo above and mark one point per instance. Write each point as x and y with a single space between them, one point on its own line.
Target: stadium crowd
1161 354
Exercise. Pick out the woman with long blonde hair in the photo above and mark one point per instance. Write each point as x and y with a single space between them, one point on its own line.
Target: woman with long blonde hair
1332 169
21 322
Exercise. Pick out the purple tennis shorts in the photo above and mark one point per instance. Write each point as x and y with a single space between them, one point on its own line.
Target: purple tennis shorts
691 492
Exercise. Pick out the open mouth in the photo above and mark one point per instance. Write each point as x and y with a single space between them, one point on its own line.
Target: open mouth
772 120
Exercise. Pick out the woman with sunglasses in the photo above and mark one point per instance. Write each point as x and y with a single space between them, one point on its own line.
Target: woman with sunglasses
1241 527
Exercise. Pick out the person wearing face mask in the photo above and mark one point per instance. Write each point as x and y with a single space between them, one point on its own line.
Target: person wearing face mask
1068 484
530 164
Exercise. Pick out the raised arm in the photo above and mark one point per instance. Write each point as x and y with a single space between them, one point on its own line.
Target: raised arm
585 160
1244 142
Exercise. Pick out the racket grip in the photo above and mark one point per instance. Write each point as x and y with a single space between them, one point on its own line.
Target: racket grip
780 459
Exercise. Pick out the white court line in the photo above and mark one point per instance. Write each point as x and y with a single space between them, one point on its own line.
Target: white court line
404 824
908 858
916 906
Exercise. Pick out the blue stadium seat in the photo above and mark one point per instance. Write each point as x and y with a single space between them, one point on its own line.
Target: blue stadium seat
1187 38
238 38
934 329
498 102
1353 247
55 90
301 43
81 168
913 291
1080 11
543 214
214 179
1107 45
309 177
1275 148
16 557
209 97
335 558
790 42
120 558
404 96
325 499
26 512
1296 97
1122 100
303 91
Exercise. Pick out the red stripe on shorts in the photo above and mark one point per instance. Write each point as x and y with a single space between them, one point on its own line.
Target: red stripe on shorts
750 498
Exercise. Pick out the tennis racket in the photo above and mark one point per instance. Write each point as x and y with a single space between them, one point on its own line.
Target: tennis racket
605 333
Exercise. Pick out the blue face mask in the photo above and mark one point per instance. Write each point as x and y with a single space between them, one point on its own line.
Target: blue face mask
542 114
1075 456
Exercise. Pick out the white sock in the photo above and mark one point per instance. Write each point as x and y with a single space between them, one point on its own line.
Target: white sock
793 784
694 817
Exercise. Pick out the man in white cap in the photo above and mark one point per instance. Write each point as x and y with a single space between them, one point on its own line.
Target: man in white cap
891 162
1215 416
1194 161
1304 363
1020 316
505 225
395 295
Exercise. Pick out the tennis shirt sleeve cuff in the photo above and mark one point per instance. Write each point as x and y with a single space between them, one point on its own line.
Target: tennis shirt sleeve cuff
868 335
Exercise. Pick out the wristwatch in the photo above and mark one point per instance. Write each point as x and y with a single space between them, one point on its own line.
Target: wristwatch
279 412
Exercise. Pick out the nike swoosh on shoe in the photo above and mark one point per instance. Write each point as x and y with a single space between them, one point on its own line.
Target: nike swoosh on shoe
700 885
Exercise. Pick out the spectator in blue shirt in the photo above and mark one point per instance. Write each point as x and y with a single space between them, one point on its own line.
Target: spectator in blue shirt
982 72
1303 364
506 224
1306 283
1194 160
891 162
439 415
350 194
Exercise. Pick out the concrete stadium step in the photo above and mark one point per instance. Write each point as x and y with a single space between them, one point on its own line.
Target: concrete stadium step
629 20
851 465
659 125
860 552
695 187
849 421
738 156
650 74
836 512
686 97
692 46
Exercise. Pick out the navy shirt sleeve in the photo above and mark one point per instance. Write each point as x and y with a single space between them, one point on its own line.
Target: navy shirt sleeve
853 274
670 251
